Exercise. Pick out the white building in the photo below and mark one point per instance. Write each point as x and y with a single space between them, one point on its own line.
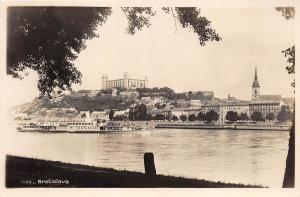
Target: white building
185 111
236 106
100 115
125 83
196 103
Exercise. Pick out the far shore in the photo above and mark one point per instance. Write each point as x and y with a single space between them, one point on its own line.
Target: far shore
213 125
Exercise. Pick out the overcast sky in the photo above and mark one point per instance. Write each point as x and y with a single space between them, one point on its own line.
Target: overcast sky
173 57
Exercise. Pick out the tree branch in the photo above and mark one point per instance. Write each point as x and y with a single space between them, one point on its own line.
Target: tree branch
175 18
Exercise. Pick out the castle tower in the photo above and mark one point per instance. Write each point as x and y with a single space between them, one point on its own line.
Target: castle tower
104 81
255 86
126 75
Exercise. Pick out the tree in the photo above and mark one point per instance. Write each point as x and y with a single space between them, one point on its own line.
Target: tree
232 116
183 118
139 112
120 118
244 116
174 118
284 114
159 117
290 54
287 12
270 116
49 39
289 174
192 117
211 116
111 114
257 116
131 114
201 116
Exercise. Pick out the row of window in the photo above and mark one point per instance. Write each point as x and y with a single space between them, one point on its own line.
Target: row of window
81 123
263 107
233 108
88 128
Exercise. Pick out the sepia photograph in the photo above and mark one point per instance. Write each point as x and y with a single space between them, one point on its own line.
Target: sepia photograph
148 97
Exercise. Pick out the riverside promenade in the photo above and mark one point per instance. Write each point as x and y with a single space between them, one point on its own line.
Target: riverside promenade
30 173
183 125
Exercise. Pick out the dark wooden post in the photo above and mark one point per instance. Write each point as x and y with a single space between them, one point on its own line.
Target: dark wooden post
149 164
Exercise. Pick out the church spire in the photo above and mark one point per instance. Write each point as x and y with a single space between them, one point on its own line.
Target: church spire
255 82
255 77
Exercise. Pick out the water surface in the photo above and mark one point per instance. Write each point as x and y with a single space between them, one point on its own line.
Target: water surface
254 157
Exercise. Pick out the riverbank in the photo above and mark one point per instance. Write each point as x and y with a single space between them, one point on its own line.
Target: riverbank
271 127
29 172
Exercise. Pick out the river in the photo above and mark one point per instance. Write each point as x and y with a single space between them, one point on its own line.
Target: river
249 157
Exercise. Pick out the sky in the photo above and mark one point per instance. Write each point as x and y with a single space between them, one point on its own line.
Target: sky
172 56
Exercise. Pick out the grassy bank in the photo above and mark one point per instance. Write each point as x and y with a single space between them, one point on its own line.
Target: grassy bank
29 172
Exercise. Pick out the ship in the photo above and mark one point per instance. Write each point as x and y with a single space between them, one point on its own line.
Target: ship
109 127
80 125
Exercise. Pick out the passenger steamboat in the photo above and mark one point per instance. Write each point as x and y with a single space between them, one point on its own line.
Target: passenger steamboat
110 127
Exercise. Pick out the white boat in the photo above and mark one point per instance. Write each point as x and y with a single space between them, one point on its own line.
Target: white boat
84 127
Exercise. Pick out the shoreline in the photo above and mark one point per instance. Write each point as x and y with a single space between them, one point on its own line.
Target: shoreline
212 126
223 127
22 172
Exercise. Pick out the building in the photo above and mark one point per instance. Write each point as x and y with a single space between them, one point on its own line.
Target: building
122 113
255 86
211 105
290 102
235 106
185 111
100 115
196 103
263 103
125 83
265 107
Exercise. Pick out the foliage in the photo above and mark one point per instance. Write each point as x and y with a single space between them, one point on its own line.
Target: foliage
257 116
270 116
138 17
201 116
287 12
175 118
244 116
290 54
111 114
192 117
165 92
183 118
106 91
159 117
232 116
159 106
139 112
211 116
98 103
120 118
190 17
48 40
284 114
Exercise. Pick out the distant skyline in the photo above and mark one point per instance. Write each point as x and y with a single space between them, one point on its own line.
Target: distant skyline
172 56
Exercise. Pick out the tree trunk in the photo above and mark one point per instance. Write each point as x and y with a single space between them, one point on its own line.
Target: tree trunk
289 175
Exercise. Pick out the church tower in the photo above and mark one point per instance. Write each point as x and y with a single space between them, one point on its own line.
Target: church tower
255 86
